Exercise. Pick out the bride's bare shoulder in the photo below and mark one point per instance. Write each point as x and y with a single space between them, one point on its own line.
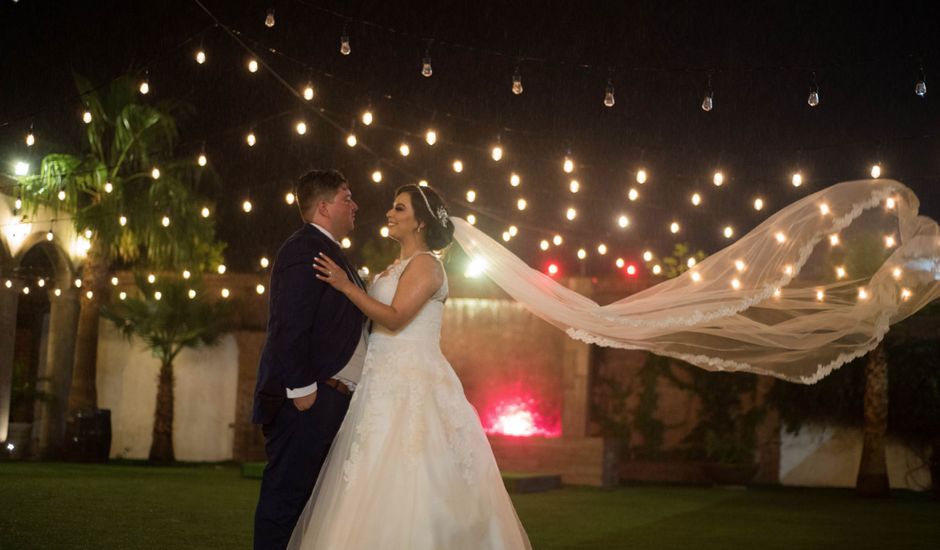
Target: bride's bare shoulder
425 266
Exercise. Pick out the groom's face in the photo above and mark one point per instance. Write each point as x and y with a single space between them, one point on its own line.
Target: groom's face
342 212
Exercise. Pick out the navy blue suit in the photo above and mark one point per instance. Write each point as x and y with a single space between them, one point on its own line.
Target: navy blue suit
312 333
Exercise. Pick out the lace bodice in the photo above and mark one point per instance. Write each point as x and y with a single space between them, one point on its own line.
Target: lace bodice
426 325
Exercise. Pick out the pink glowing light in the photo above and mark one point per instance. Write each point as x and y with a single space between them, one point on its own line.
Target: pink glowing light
518 417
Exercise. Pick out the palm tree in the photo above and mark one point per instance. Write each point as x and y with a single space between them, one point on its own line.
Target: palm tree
134 201
168 316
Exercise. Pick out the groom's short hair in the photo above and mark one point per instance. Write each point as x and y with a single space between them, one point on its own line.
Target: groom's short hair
316 186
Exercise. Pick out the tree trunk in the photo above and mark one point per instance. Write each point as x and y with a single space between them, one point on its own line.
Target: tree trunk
83 393
873 471
161 449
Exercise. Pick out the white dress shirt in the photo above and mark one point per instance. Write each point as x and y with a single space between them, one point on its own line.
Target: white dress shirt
349 374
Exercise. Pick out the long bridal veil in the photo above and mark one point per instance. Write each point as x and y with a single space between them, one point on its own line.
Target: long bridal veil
814 286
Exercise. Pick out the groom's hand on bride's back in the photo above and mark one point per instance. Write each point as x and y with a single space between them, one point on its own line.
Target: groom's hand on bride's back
305 402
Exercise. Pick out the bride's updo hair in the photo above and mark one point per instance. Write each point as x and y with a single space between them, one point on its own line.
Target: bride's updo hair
438 235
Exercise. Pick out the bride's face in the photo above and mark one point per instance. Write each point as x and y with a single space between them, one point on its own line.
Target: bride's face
401 218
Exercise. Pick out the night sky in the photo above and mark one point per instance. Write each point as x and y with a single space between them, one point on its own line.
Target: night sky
761 58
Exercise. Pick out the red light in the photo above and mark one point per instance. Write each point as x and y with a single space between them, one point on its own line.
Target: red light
631 270
552 269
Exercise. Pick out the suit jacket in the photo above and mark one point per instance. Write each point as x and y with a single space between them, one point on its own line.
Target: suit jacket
313 329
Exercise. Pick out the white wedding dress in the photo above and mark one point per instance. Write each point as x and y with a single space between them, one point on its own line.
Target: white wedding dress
411 467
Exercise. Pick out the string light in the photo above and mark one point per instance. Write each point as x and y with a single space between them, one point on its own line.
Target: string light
552 269
404 149
738 264
696 199
289 198
920 88
471 219
8 283
88 233
144 87
155 173
718 178
30 139
17 204
225 293
521 204
61 195
507 236
423 183
862 293
496 153
813 99
609 94
346 242
264 262
735 284
568 165
252 65
657 269
896 273
458 166
50 236
430 137
221 269
619 263
200 57
383 231
471 196
269 18
623 221
824 208
205 212
797 179
708 102
21 168
890 203
89 295
86 117
674 227
250 139
641 176
166 220
834 239
647 256
820 295
841 273
633 194
781 238
186 274
516 81
192 294
890 242
788 270
308 92
344 47
543 244
246 206
557 240
905 294
696 277
301 127
41 283
876 171
758 204
582 253
602 249
571 214
367 117
515 180
122 221
377 176
574 186
513 230
25 290
202 160
351 140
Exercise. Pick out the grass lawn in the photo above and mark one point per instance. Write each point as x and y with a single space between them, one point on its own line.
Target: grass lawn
129 506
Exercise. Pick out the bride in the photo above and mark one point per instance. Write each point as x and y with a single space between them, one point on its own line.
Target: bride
411 466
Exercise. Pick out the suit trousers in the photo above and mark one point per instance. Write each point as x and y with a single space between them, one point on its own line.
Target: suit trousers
296 444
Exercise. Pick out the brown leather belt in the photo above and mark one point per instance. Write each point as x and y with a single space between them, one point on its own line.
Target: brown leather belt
338 386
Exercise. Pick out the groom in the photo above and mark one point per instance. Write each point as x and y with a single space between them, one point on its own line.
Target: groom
312 357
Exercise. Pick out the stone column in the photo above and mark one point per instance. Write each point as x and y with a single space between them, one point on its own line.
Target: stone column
576 371
9 298
50 416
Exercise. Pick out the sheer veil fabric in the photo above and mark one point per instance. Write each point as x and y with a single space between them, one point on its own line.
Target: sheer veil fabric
814 286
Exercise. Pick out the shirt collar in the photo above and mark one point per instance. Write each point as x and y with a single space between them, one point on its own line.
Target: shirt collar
324 231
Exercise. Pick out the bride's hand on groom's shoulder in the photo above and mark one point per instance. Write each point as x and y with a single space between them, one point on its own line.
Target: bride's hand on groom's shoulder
331 273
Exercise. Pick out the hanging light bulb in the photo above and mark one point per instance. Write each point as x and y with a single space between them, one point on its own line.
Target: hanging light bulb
250 139
225 293
252 65
568 165
205 212
289 198
543 244
430 137
351 140
824 209
557 240
507 236
423 183
674 227
61 195
890 203
471 195
50 236
377 176
513 230
516 81
346 242
367 117
920 88
574 186
609 94
696 199
521 204
246 206
122 221
641 176
426 70
471 219
269 18
708 102
202 160
797 179
813 99
496 153
221 269
308 92
18 204
86 117
259 289
200 56
264 262
404 149
515 180
165 221
633 194
582 253
718 178
571 214
458 166
728 232
344 47
876 171
657 269
144 87
301 127
155 173
384 231
30 139
834 239
623 221
758 204
191 293
620 263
